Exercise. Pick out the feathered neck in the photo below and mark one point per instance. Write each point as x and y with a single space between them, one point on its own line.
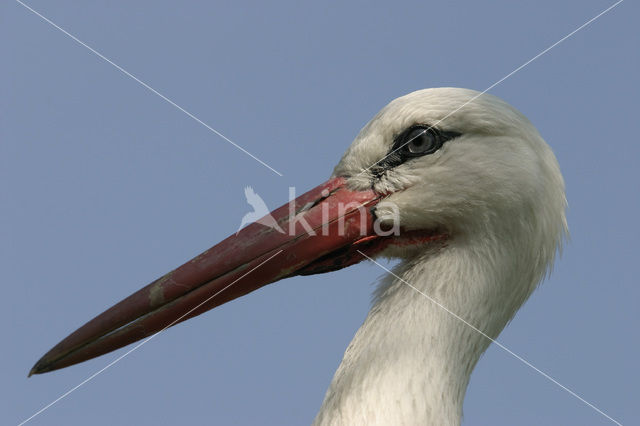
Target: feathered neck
411 360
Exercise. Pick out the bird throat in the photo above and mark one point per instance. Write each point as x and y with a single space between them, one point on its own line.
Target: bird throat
411 360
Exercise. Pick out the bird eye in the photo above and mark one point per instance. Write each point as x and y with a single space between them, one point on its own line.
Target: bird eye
420 140
416 141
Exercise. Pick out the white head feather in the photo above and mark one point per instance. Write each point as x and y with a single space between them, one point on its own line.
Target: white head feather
498 193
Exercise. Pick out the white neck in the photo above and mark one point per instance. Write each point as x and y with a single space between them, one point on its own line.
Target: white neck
410 362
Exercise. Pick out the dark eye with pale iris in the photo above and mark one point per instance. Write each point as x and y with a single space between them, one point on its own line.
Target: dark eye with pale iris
420 141
415 141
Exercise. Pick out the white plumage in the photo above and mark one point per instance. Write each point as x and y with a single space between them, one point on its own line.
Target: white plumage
480 201
498 192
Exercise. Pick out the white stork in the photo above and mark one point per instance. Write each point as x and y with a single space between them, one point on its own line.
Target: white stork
456 184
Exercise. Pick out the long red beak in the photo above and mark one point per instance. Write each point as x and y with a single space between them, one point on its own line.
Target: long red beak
323 230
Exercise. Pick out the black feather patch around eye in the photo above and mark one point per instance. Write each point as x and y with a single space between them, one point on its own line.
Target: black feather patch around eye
415 141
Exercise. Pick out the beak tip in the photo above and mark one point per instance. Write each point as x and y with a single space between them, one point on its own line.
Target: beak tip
39 368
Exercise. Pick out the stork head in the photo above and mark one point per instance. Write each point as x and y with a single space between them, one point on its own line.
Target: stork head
442 164
458 159
471 167
464 163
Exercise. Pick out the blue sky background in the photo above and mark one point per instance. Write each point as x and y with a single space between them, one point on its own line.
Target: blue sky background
105 187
